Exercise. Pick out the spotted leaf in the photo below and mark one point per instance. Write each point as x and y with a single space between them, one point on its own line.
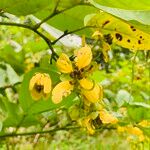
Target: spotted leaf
118 31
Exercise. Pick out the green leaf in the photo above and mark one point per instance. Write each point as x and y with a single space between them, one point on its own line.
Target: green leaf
16 60
122 97
126 4
13 113
1 126
137 113
120 32
129 15
30 120
8 75
24 7
12 75
142 104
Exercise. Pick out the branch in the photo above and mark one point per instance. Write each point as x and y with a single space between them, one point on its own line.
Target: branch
50 131
37 132
54 13
70 32
47 40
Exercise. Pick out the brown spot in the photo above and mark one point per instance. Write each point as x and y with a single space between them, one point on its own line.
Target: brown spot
108 38
128 40
140 37
131 27
118 36
139 42
39 88
106 22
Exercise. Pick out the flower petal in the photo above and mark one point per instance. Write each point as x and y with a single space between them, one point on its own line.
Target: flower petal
36 95
62 89
86 84
40 85
94 94
107 118
47 84
34 80
83 57
64 64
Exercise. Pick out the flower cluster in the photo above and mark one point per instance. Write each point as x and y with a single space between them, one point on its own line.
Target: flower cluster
77 70
40 84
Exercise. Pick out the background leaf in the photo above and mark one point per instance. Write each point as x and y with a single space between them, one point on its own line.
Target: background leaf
119 32
138 18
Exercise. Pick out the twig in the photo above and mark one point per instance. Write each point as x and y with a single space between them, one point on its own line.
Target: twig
37 132
50 131
54 13
70 32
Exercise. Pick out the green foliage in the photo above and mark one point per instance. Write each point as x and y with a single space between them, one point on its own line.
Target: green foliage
29 47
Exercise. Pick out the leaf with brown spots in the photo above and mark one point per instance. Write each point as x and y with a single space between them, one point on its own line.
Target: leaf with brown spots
121 32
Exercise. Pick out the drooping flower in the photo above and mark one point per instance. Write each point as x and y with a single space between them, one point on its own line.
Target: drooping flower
104 45
144 123
136 132
82 59
64 64
40 86
94 94
61 90
106 117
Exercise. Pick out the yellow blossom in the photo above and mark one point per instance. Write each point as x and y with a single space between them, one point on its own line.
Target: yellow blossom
104 45
137 132
83 57
121 129
40 86
64 64
61 90
107 118
97 35
87 123
86 84
144 123
93 95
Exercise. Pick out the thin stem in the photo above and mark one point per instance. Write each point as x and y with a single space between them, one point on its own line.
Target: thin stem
37 132
70 32
54 13
49 131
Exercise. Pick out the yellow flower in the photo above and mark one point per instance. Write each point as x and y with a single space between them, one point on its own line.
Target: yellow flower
86 84
97 35
107 118
64 64
82 58
137 132
121 129
104 45
144 123
87 123
61 90
94 94
40 86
